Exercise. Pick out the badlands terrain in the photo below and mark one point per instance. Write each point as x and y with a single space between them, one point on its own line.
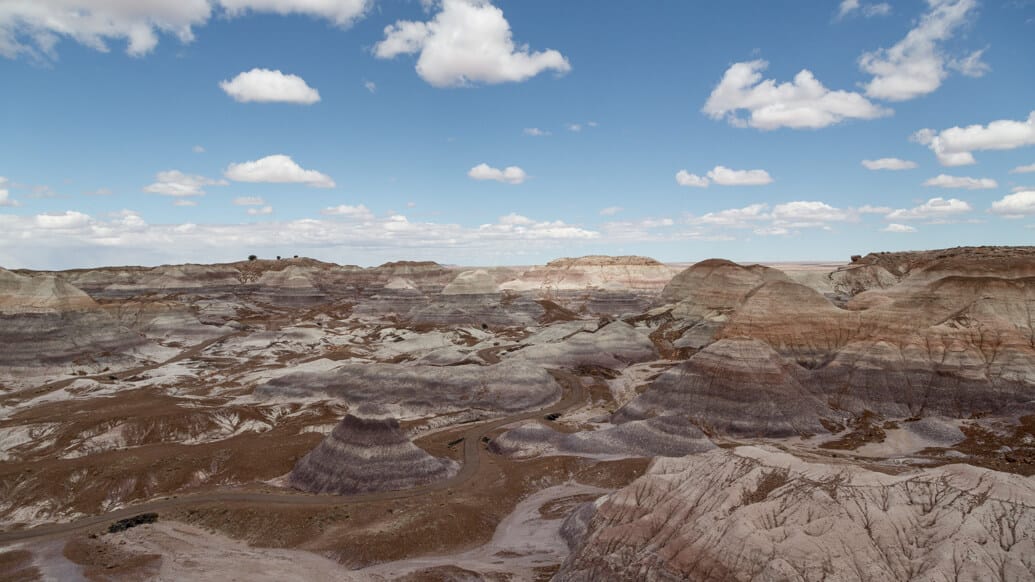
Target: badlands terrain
595 418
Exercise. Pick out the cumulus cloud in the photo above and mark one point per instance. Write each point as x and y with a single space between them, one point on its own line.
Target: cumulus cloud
33 28
69 219
99 192
934 209
955 146
734 217
684 178
249 201
277 169
803 103
724 176
961 182
916 65
340 12
5 198
900 228
804 214
5 194
267 86
611 210
176 183
260 211
888 164
1023 169
1016 205
535 132
370 86
198 149
467 42
75 239
508 175
359 212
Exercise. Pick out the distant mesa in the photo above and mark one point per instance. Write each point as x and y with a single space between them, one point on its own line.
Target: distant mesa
364 455
477 282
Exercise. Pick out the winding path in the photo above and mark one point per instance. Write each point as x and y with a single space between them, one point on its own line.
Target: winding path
573 395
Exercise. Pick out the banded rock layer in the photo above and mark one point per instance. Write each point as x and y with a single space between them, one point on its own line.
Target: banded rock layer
365 455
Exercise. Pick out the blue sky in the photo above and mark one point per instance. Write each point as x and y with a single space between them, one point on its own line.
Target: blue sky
282 127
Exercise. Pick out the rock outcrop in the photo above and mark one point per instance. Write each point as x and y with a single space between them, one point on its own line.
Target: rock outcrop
735 387
594 272
364 455
408 391
48 327
757 514
665 436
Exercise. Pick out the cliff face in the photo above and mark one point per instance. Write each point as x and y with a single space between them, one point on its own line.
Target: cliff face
364 455
947 336
757 514
50 328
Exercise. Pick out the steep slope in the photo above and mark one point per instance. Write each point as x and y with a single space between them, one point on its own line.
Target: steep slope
367 454
757 514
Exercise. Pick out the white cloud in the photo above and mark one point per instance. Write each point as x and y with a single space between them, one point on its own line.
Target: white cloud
1016 205
803 214
934 209
955 146
198 149
803 103
66 220
468 41
848 7
508 175
1023 169
184 202
971 65
249 201
33 28
611 210
684 178
359 212
340 12
881 9
573 127
266 86
734 217
99 192
888 164
961 182
515 218
370 86
260 211
535 132
724 176
896 227
867 209
75 239
5 198
278 169
916 65
176 183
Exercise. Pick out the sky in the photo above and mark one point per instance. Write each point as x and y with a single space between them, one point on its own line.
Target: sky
511 132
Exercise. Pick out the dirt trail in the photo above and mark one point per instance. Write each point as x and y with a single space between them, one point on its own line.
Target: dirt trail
574 394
